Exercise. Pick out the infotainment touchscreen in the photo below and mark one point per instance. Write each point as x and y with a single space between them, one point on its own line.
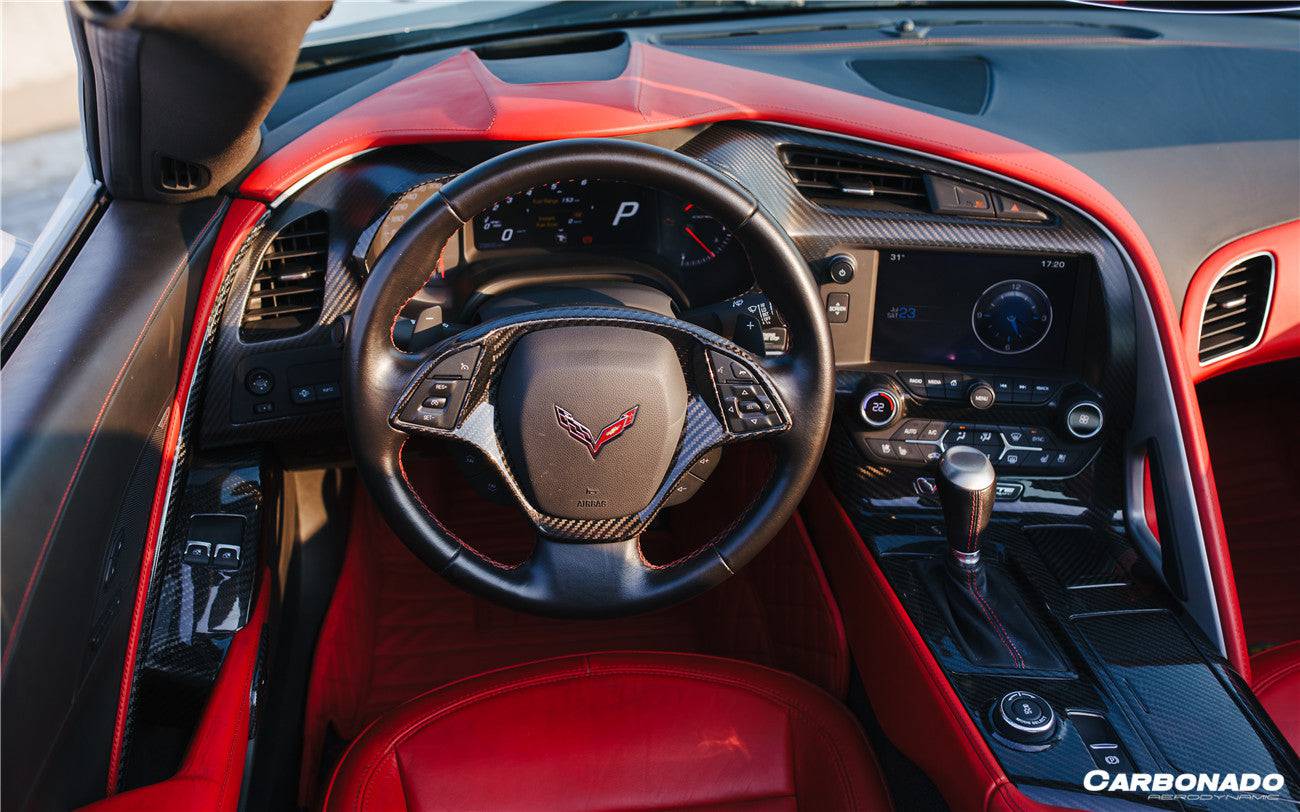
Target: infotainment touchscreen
975 309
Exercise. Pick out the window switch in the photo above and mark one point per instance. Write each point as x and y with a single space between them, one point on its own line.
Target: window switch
197 553
214 540
225 557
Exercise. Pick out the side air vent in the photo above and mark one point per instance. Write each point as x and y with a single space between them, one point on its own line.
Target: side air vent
177 177
841 178
1237 309
289 288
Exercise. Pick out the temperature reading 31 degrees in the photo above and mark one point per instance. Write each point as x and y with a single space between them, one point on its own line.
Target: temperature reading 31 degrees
1012 316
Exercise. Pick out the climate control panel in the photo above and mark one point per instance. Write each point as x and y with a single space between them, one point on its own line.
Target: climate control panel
1012 448
1027 425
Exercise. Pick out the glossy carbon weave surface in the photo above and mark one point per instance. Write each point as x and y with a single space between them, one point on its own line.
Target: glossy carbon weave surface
170 651
704 428
354 198
195 609
1129 645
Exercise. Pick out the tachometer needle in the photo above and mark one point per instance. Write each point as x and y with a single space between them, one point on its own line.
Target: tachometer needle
701 242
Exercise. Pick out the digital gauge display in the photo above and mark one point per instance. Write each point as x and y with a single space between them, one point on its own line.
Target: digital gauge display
568 214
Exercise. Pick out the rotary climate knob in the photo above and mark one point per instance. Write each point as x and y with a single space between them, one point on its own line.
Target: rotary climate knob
880 408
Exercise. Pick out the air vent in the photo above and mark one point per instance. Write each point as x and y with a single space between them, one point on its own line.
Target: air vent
178 177
845 179
289 288
1236 309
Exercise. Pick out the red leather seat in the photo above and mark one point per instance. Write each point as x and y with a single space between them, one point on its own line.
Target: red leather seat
615 731
1276 674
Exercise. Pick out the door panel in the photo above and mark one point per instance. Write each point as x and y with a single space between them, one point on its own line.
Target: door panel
85 393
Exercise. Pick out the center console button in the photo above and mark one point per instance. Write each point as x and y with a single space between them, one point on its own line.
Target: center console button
1021 391
1015 435
911 430
933 431
909 451
982 396
933 385
1084 420
1024 717
914 381
954 383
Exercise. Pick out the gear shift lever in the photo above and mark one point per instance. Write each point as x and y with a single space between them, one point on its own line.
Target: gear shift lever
983 606
966 490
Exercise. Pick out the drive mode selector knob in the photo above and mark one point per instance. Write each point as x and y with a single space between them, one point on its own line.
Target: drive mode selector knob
880 408
1083 420
1024 717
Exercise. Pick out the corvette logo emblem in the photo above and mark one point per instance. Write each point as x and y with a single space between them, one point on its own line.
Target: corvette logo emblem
583 434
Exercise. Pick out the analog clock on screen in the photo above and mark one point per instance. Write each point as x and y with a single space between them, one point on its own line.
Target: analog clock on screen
1012 316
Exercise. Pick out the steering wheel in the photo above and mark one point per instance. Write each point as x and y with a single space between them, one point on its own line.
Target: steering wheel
590 414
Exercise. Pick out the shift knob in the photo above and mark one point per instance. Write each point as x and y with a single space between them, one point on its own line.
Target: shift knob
966 490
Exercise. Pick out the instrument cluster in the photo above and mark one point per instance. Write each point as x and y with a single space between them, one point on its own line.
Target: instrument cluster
607 218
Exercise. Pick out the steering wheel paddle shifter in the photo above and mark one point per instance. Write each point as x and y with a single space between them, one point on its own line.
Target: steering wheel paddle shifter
983 607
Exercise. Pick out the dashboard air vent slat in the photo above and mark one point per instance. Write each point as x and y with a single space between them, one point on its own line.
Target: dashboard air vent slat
838 178
288 289
1236 309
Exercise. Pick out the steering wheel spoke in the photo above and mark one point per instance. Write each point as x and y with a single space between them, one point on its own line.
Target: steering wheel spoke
435 392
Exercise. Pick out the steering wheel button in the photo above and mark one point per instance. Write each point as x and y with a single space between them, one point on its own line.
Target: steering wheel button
740 373
437 402
707 461
459 365
751 407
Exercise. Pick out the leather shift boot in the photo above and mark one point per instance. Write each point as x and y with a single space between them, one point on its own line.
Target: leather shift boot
987 616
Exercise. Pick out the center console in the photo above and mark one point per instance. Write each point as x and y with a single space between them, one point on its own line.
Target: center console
975 349
1000 394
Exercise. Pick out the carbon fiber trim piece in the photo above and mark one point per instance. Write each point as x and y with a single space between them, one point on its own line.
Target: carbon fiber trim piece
478 424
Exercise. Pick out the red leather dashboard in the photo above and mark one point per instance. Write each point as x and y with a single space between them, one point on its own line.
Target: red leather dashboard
1281 337
460 99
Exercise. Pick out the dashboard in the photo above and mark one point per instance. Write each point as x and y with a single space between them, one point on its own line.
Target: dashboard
965 308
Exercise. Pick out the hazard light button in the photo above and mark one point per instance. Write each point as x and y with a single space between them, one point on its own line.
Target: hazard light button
1009 208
